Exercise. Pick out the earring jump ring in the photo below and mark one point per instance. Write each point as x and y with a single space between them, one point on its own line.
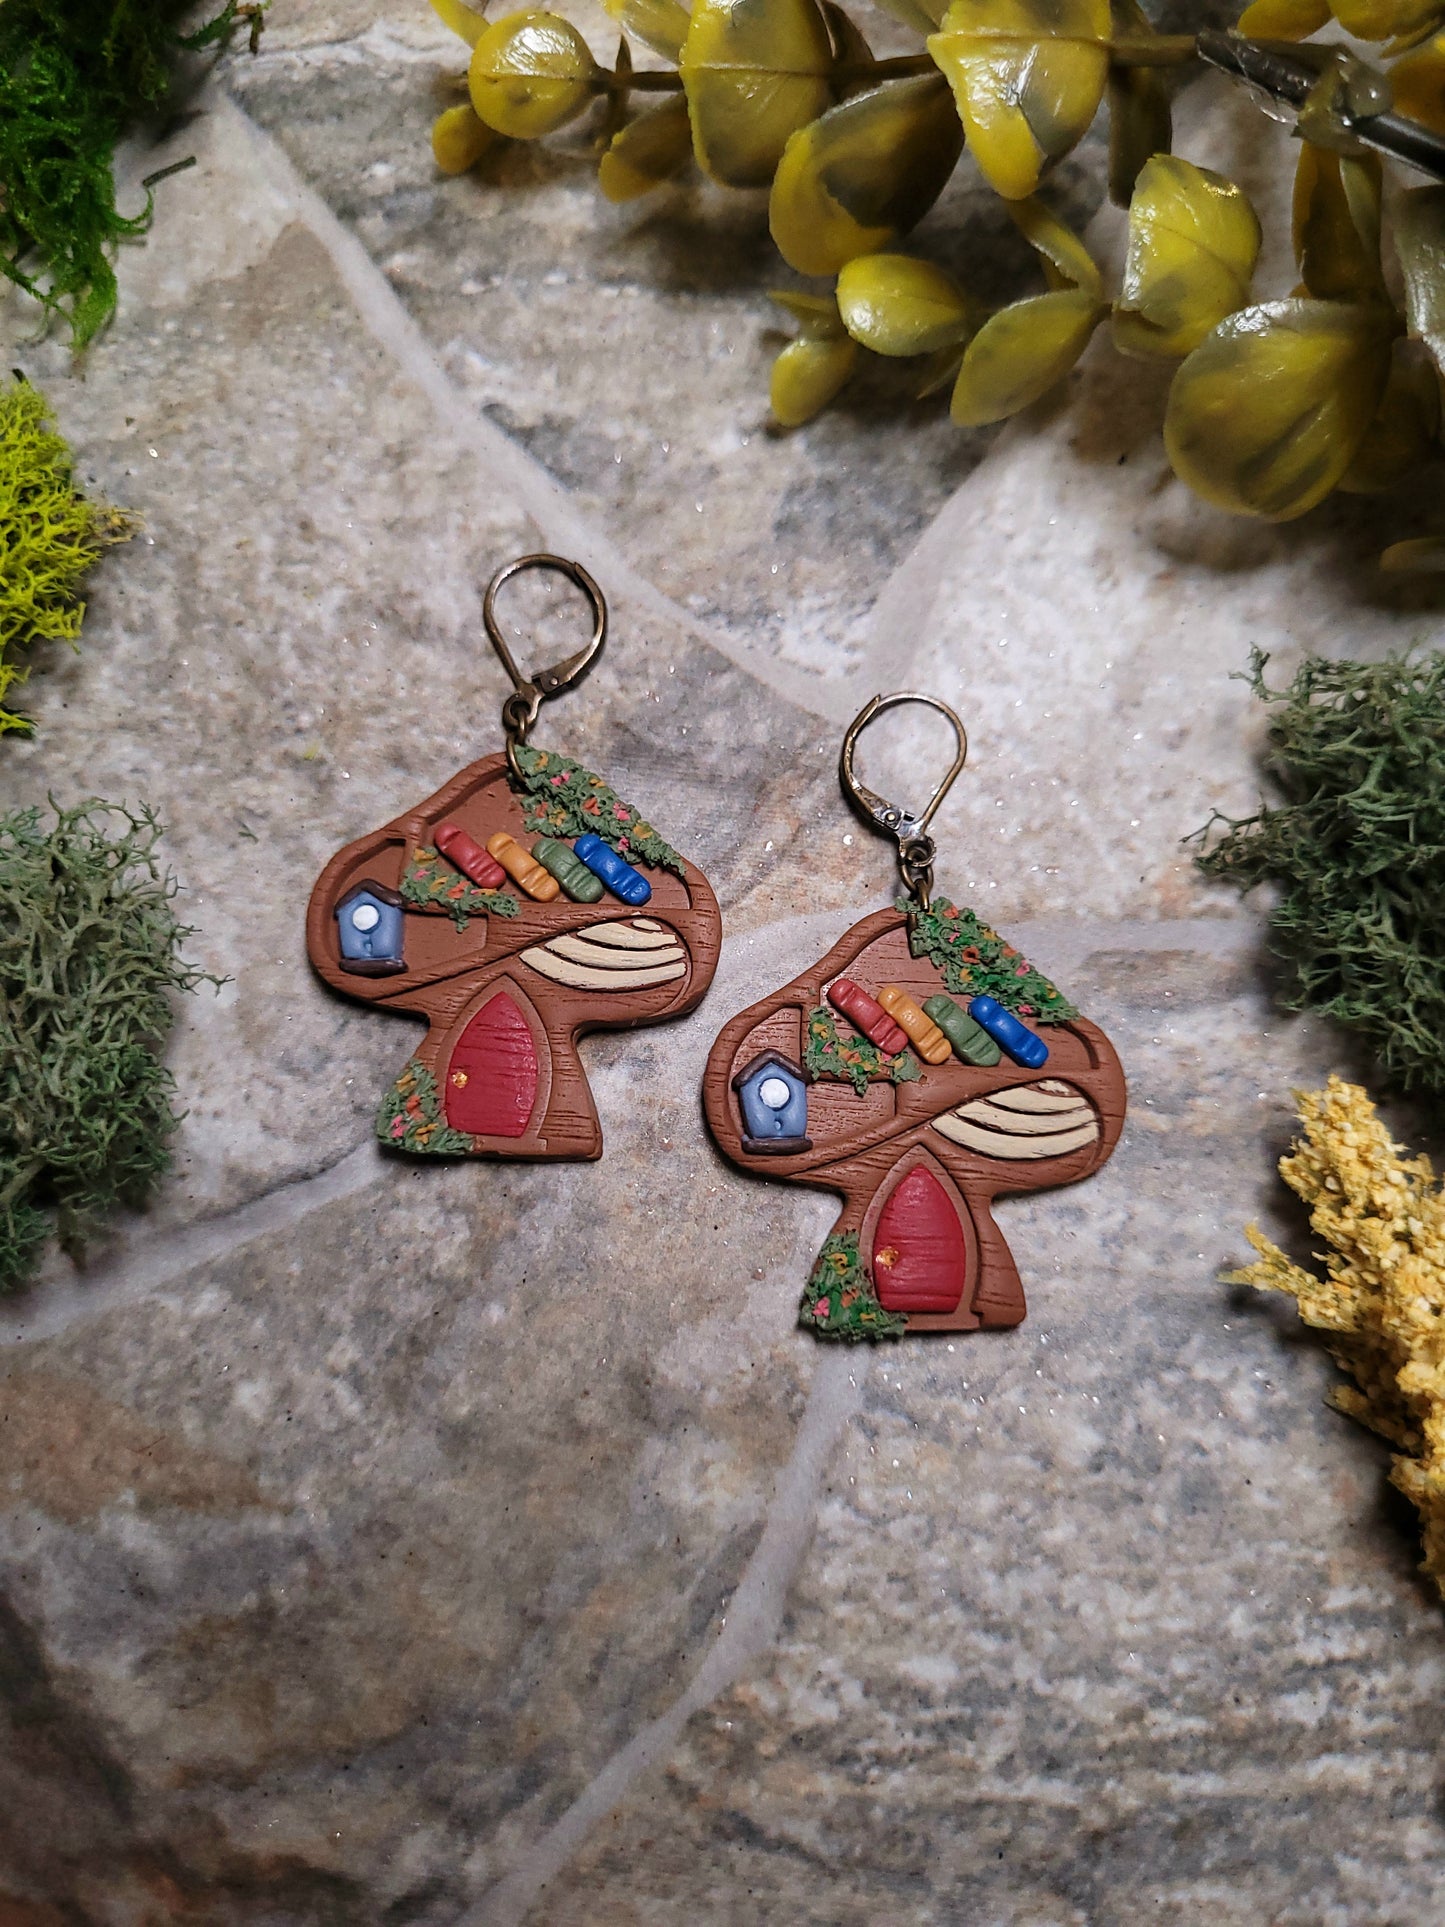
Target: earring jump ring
519 712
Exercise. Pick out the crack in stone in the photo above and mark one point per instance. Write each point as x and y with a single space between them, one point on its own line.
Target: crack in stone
1068 941
754 1615
563 526
139 1274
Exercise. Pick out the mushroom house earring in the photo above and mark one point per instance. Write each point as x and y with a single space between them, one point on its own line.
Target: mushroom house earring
520 906
920 1070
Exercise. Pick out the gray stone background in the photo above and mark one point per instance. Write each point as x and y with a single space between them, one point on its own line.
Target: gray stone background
390 1544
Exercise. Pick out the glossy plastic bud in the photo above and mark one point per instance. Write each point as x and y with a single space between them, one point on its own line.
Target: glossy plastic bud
1268 413
897 305
459 138
530 73
654 148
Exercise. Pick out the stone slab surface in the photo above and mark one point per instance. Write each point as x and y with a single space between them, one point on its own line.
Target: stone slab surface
384 1544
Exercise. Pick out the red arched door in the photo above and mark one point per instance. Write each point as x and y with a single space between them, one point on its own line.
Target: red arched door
920 1256
491 1082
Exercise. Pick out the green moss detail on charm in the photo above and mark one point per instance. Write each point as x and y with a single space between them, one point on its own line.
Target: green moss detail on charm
851 1059
839 1300
410 1118
1356 850
430 883
89 961
49 536
566 800
976 962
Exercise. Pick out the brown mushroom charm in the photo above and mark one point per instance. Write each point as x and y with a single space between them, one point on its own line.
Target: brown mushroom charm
507 980
522 906
917 1150
920 1070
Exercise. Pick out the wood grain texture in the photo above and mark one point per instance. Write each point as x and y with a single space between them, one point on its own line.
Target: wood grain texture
863 1147
453 974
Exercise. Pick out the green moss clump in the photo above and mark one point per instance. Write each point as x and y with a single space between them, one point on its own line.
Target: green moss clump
74 75
1356 850
49 533
89 957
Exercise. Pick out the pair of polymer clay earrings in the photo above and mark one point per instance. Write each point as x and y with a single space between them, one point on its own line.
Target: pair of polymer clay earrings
920 1069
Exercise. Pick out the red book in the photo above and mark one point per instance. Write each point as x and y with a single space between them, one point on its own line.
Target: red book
469 856
867 1015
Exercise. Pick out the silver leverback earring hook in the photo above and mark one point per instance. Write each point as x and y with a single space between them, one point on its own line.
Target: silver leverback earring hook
519 711
915 846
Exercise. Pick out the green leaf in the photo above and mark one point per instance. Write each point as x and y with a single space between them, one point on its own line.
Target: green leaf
817 313
659 24
1400 20
1419 229
850 49
652 149
462 19
1141 121
459 138
807 375
863 173
1417 84
1283 19
1407 423
1020 352
1193 243
922 15
1267 414
1028 76
1068 263
755 71
1337 224
896 305
1424 555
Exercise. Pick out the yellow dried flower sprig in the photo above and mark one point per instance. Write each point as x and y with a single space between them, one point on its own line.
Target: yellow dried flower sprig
1382 1295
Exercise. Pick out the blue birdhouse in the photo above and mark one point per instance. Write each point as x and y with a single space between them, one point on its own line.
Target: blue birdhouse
773 1098
370 925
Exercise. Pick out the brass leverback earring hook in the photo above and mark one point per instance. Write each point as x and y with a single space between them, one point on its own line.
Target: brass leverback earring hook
916 847
519 711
